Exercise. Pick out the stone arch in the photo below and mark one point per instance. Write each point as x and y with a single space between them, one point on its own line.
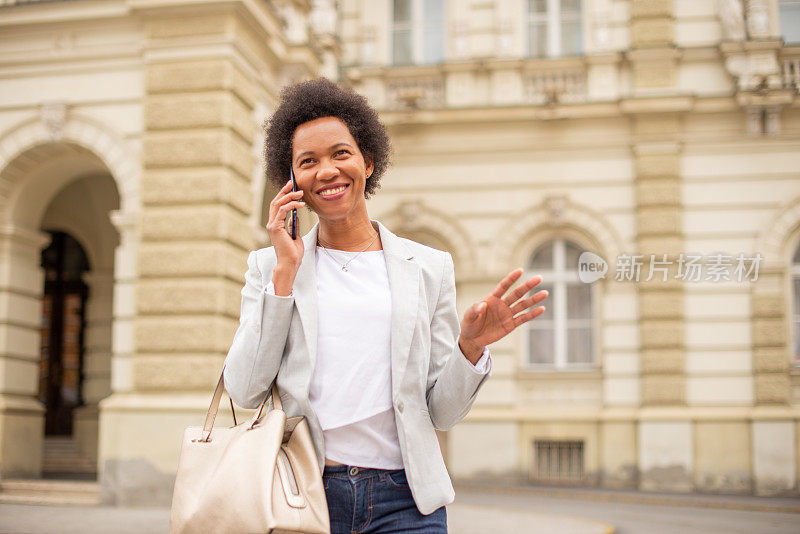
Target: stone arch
554 216
99 196
779 237
41 158
24 146
414 218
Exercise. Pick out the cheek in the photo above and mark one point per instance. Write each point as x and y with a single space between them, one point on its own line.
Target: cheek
304 183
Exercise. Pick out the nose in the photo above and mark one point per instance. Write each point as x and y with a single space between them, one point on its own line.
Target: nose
327 169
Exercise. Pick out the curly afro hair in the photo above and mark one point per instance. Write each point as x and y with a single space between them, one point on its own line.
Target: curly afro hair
313 99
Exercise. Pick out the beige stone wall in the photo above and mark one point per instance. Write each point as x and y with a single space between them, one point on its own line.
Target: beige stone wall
668 136
661 158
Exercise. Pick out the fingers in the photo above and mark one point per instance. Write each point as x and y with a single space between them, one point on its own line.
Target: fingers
527 316
520 291
524 304
283 211
278 220
474 311
284 196
506 283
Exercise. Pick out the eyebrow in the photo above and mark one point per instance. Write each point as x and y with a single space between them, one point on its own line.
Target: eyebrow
308 152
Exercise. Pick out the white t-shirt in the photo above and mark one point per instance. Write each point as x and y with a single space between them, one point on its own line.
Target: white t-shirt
351 388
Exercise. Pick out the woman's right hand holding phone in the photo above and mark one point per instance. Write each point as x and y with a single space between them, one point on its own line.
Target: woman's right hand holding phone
288 251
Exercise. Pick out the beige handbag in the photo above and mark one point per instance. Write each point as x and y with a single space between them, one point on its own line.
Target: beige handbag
260 476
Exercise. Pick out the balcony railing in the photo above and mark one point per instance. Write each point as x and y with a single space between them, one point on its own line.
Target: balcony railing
425 92
791 73
557 86
537 82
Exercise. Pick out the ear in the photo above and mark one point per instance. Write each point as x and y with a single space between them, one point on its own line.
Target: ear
369 166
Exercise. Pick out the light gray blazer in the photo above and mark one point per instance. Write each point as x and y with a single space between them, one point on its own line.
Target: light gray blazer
433 383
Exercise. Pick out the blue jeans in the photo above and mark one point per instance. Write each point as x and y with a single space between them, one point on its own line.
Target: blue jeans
362 500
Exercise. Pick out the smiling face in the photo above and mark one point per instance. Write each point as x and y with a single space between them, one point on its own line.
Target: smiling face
330 168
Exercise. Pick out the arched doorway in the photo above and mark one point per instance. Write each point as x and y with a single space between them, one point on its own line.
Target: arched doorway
57 254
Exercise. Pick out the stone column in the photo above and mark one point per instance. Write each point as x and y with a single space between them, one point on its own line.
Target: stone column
177 293
773 429
21 414
96 360
665 440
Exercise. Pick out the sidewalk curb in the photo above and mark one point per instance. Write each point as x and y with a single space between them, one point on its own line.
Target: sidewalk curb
690 500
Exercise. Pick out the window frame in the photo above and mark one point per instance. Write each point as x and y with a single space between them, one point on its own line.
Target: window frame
554 279
417 27
553 23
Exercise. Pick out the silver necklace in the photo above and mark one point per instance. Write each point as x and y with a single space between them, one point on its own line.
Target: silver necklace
344 265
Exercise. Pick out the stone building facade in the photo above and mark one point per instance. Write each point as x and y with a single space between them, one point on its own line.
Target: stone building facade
525 133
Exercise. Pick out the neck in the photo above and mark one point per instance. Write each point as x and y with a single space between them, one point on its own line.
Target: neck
346 234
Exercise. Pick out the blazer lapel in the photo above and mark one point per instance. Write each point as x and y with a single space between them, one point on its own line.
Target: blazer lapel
403 274
305 293
404 285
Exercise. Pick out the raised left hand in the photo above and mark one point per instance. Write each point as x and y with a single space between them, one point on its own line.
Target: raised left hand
499 314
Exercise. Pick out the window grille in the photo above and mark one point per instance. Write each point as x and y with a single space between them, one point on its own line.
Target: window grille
558 461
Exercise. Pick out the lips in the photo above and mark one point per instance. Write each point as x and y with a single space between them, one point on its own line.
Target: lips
332 192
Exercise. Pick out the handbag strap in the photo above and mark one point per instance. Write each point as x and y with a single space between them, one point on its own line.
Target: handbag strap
211 415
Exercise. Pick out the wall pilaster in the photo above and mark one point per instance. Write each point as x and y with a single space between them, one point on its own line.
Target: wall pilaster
21 414
179 301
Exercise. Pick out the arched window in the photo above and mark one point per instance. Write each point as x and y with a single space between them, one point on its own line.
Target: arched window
562 337
796 309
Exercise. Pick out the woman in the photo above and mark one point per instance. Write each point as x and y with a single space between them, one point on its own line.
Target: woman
360 326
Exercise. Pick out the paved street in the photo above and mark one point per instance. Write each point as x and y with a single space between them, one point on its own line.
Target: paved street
637 513
479 512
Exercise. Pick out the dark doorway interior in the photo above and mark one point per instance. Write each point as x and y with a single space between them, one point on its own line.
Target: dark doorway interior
63 310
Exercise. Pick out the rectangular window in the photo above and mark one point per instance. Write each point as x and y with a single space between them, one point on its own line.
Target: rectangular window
555 28
558 461
433 31
402 48
789 14
571 31
537 28
417 31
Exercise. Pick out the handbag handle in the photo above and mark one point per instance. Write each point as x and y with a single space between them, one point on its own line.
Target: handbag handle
211 415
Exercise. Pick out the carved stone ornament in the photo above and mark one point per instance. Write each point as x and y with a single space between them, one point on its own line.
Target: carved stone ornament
54 117
409 211
757 19
556 206
601 33
731 15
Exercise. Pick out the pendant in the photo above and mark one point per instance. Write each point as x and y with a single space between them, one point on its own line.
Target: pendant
344 268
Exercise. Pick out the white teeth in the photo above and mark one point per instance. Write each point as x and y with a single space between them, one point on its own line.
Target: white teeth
333 191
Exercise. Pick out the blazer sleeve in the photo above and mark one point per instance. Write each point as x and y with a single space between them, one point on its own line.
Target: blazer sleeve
255 355
453 382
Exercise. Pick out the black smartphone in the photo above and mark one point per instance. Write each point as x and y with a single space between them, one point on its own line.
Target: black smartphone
294 211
